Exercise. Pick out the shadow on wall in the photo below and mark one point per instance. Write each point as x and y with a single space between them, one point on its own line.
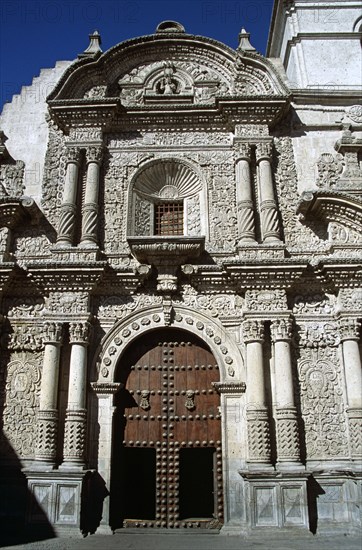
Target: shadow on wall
314 490
16 502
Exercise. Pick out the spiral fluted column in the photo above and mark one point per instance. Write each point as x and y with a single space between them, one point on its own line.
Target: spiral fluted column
75 419
268 208
288 444
69 204
90 207
244 195
350 334
257 411
47 419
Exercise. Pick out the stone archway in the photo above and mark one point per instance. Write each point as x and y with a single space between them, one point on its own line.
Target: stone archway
167 459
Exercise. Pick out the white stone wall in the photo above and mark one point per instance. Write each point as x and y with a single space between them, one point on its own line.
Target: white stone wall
319 43
23 122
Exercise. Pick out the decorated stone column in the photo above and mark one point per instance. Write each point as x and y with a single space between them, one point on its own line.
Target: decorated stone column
47 420
244 196
75 419
268 207
69 206
350 331
288 449
257 411
90 207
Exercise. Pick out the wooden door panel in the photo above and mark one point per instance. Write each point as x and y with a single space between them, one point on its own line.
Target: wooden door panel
169 405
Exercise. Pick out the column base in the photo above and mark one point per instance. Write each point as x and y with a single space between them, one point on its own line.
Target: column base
39 465
72 467
88 244
289 466
260 467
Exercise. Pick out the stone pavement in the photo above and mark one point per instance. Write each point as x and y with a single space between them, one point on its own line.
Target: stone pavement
192 541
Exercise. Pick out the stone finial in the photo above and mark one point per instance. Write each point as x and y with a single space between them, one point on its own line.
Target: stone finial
170 27
94 47
244 43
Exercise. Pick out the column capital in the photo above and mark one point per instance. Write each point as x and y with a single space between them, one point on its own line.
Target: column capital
253 331
52 332
79 332
281 330
264 151
243 151
72 154
94 154
349 329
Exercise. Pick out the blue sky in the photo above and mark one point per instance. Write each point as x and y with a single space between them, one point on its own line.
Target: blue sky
34 34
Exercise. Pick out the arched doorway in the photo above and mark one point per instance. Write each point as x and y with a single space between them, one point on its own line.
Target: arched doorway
166 460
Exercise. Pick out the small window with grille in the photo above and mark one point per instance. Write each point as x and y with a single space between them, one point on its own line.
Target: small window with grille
169 218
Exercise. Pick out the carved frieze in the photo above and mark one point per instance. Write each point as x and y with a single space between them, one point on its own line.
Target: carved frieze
322 404
167 139
54 171
11 179
27 307
350 299
319 334
217 305
69 303
311 304
330 167
25 337
266 300
21 405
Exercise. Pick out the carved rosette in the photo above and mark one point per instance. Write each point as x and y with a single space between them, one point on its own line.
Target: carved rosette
355 432
287 435
47 424
258 436
79 332
253 331
75 436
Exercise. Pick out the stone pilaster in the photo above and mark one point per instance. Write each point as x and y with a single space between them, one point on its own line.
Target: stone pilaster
90 207
76 414
350 333
244 195
288 445
268 208
257 411
47 420
69 206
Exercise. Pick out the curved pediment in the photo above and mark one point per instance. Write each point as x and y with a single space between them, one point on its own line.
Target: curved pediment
169 66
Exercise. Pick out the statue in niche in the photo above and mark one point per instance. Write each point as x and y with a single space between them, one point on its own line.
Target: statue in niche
168 85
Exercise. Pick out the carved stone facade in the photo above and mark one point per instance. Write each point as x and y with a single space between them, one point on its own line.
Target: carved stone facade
173 203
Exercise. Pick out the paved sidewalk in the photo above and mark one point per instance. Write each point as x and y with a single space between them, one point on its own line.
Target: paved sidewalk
191 541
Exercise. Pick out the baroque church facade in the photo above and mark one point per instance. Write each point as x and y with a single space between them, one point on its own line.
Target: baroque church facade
181 283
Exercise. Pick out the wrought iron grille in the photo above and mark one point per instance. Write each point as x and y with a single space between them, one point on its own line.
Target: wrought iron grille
169 218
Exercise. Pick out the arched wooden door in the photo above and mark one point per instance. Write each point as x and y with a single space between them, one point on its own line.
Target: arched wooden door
166 463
